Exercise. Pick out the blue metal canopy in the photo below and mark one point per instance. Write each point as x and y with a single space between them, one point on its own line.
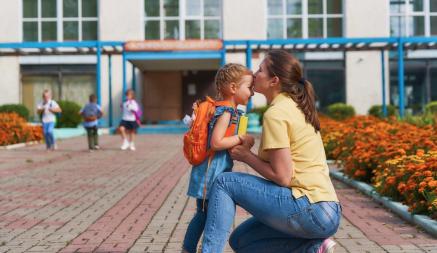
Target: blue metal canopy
99 48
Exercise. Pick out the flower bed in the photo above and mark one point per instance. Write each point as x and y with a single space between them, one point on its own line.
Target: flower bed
412 180
14 129
366 147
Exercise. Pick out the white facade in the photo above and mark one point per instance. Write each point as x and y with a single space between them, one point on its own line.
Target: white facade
118 21
363 69
10 31
240 20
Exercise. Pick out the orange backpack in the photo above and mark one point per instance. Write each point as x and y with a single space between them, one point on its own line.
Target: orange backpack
196 138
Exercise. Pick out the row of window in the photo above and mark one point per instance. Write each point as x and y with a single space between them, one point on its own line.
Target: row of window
413 17
60 20
64 20
304 18
182 19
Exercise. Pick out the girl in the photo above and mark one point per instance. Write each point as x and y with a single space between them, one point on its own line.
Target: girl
130 121
234 87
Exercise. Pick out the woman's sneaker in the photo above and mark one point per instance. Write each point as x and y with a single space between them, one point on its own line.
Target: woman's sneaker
327 246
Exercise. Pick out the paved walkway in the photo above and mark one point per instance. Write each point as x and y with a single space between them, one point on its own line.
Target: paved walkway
71 200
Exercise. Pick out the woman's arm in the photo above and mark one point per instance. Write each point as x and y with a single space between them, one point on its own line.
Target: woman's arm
278 170
218 139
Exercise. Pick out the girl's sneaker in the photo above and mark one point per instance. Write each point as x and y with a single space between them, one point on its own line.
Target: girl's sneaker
125 145
132 146
327 246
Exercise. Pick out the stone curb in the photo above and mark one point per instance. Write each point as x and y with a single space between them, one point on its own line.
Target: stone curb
20 145
102 131
422 221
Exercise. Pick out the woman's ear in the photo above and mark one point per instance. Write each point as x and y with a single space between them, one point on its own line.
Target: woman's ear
274 82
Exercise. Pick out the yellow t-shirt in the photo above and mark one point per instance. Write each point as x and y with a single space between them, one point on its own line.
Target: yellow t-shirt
284 126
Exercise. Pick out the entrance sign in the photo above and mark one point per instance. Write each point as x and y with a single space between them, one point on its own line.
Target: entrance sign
174 45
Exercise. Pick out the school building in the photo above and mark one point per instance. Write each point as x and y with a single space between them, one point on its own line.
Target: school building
169 50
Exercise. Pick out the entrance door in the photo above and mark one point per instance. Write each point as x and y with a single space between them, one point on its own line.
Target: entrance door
162 96
196 85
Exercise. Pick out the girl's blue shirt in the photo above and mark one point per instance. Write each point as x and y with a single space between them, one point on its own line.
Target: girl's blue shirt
221 162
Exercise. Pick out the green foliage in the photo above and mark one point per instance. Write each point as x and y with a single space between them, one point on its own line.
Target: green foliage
376 111
20 109
69 117
260 111
431 108
429 117
340 111
419 120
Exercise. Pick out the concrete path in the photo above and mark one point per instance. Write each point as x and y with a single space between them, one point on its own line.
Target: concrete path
71 200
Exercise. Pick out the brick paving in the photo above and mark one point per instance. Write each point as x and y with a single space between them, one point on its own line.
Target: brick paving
71 200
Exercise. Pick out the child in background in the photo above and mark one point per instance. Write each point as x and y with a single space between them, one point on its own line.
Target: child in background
91 112
234 83
130 121
188 120
47 109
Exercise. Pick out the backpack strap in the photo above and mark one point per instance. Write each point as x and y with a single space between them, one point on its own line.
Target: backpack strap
210 157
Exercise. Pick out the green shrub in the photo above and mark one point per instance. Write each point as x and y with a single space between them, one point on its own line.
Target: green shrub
260 111
418 120
20 109
376 111
431 108
340 111
69 117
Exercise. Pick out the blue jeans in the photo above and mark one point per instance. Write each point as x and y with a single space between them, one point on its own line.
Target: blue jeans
48 134
195 228
281 223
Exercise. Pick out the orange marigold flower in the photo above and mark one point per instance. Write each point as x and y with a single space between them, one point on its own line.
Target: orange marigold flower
428 179
390 180
432 184
401 187
427 173
402 151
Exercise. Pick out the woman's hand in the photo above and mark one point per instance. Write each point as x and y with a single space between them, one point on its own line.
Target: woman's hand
247 140
240 153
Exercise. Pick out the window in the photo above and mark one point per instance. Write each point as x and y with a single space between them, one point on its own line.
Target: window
328 79
413 17
60 20
182 19
66 82
415 83
80 19
304 18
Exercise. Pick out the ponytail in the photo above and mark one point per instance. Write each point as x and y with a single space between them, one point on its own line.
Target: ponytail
289 71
